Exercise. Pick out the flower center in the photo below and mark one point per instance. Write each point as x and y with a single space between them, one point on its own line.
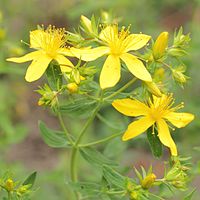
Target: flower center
116 39
163 105
52 39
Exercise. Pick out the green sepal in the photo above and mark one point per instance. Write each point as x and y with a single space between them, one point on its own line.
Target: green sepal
94 157
52 138
54 75
155 144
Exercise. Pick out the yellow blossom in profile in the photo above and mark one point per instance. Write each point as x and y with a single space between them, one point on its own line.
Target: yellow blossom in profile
156 112
49 45
116 45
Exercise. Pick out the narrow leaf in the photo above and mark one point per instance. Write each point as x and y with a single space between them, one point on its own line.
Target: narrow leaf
30 180
52 138
54 75
94 157
155 144
113 177
80 107
189 196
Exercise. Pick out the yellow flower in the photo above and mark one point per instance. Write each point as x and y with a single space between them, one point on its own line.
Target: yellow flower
156 112
49 45
116 46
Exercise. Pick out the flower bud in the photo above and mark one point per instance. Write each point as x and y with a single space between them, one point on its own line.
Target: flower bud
148 181
9 185
22 190
153 88
179 76
86 23
160 45
72 87
105 17
133 195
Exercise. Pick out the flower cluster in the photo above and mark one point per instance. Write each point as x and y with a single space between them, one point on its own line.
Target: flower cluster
119 46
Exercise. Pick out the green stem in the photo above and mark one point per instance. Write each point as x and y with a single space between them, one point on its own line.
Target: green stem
9 196
64 128
121 89
78 140
102 140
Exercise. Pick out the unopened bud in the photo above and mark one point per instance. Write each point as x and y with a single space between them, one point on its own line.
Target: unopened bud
86 23
148 181
22 190
105 17
153 88
160 45
72 87
179 76
9 185
177 52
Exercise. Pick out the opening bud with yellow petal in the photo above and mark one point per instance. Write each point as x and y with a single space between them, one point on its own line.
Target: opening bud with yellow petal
9 185
72 87
153 88
148 181
160 45
86 23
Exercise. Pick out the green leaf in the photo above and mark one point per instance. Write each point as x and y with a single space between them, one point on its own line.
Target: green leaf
113 177
87 188
52 138
155 144
30 180
54 75
94 157
189 196
80 107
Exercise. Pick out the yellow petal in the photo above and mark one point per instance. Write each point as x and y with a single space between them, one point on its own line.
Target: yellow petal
109 34
165 137
64 63
136 67
88 54
179 119
36 38
137 127
37 68
130 107
136 41
26 58
110 73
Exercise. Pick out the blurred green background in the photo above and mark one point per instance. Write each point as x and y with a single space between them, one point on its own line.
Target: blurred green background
21 147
